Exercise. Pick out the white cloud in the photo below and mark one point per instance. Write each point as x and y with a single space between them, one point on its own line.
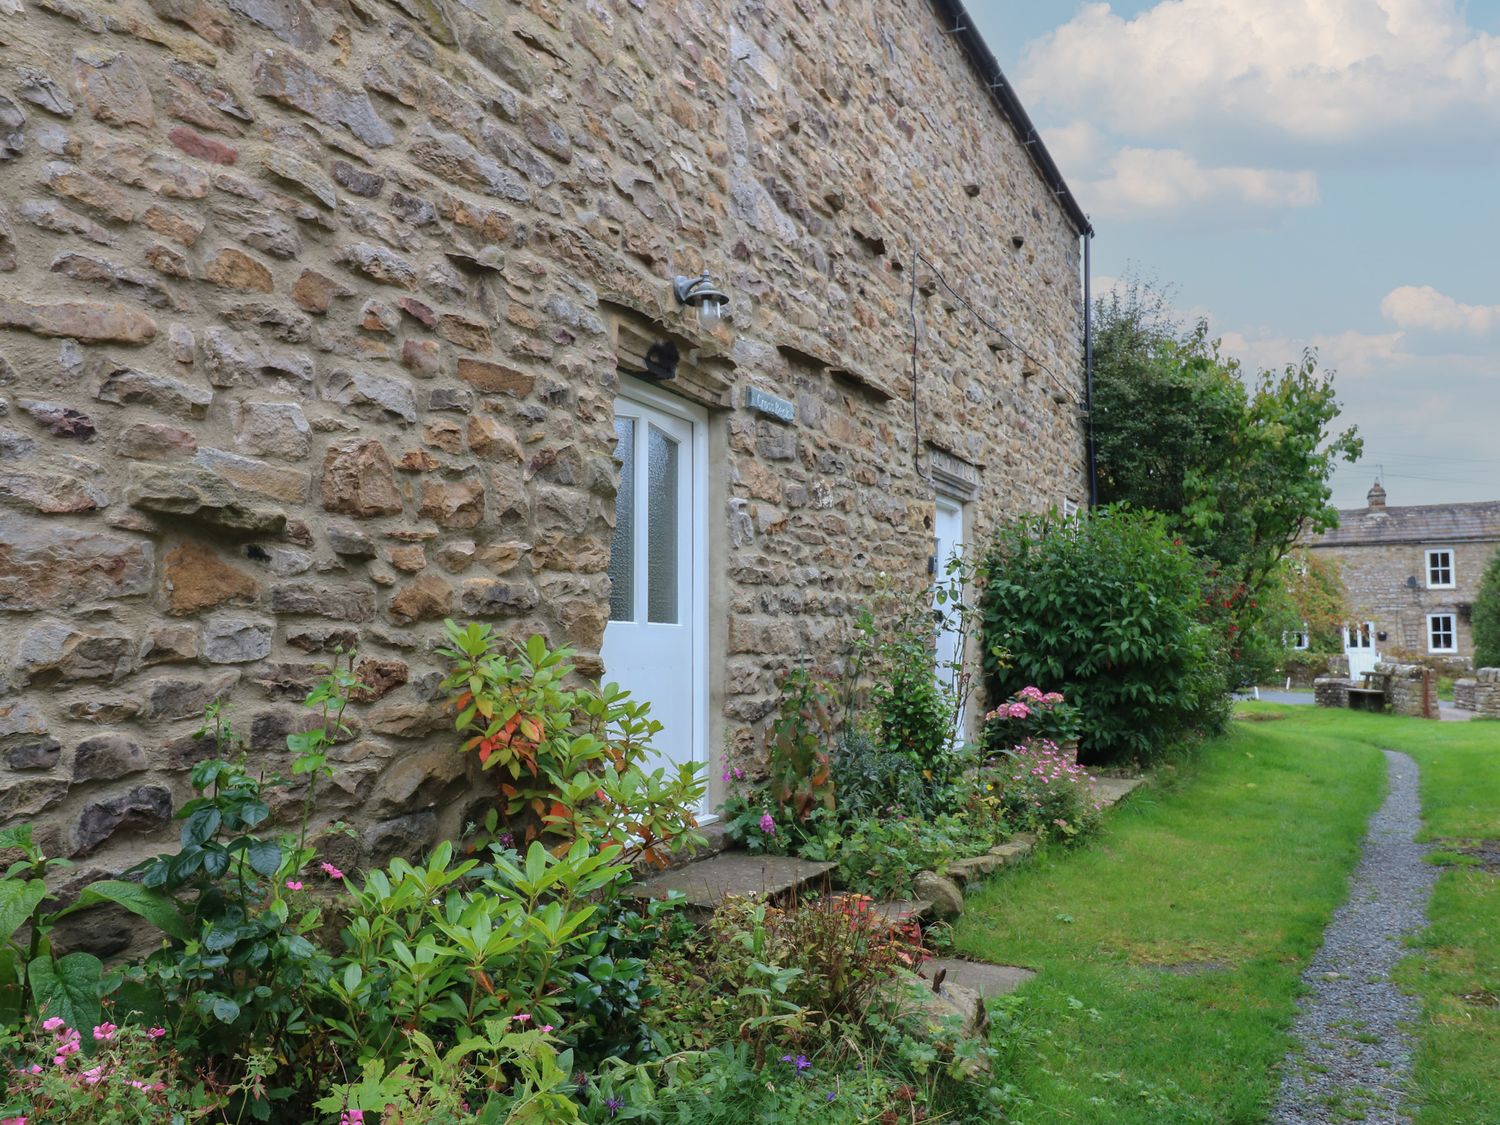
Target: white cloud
1142 182
1074 146
1423 307
1348 353
1316 70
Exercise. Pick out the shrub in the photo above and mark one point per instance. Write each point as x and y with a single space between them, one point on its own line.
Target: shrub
776 977
911 710
572 761
1485 621
1107 606
881 856
870 779
797 746
1033 713
450 945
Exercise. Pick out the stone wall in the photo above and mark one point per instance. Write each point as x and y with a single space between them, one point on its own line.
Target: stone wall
1480 694
1331 691
311 320
1464 694
1411 689
1375 579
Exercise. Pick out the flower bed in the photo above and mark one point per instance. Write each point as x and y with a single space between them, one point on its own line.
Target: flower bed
510 978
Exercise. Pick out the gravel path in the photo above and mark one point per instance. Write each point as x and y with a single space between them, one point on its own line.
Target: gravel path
1354 1027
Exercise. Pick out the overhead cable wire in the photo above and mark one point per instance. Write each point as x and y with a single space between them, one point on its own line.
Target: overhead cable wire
984 320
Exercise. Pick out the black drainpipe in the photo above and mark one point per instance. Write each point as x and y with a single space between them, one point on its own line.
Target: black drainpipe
1088 366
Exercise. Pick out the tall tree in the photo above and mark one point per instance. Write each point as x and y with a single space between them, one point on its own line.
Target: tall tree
1240 467
1486 617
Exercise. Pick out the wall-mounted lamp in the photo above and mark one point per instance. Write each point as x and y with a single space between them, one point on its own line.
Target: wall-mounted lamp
703 294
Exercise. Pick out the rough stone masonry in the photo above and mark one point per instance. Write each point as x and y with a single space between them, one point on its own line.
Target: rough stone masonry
313 313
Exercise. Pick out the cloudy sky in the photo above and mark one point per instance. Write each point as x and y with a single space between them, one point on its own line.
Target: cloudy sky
1301 172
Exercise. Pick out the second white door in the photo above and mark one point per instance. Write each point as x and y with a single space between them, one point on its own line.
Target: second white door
654 642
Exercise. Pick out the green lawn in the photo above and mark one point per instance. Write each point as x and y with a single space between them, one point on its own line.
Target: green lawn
1169 949
1456 970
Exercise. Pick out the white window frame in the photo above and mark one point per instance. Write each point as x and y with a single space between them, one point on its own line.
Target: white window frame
1298 638
1452 632
1432 554
1069 508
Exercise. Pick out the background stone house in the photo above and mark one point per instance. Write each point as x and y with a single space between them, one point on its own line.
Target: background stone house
322 320
1411 574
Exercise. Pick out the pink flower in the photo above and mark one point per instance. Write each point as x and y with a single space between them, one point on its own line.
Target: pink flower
547 1027
156 1033
334 873
52 1023
294 885
352 1117
767 824
522 1017
92 1075
12 1121
105 1032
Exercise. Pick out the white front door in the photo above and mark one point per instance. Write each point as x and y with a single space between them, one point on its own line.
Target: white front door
947 542
654 643
1359 646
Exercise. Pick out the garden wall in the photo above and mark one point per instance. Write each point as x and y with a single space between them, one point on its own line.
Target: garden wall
1479 693
311 322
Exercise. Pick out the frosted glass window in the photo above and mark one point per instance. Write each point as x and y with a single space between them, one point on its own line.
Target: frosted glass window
661 525
622 546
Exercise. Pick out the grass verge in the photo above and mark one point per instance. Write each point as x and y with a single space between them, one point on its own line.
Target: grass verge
1169 950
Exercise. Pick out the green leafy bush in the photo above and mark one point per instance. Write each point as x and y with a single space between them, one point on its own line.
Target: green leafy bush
246 967
871 779
34 981
571 760
797 746
1485 621
1106 606
911 710
502 1072
450 945
880 856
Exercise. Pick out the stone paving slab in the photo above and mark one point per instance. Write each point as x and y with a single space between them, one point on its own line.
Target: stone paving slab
979 976
1112 790
900 910
711 881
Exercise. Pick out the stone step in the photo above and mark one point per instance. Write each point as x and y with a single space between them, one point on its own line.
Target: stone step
902 910
978 976
708 882
1012 851
1113 790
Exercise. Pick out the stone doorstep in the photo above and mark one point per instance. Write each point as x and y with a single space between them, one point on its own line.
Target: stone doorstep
706 883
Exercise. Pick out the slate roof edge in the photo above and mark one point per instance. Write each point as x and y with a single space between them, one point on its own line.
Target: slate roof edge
960 25
1409 525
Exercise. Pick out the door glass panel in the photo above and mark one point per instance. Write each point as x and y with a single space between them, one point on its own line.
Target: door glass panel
622 546
661 527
